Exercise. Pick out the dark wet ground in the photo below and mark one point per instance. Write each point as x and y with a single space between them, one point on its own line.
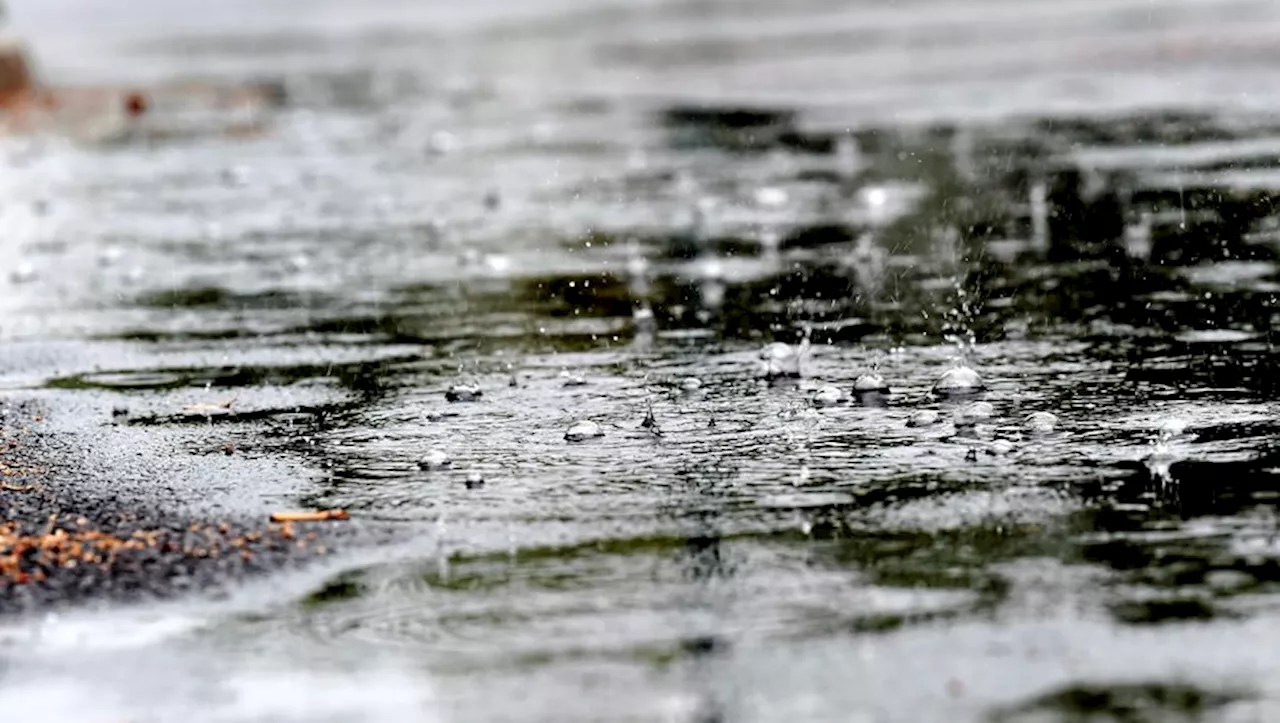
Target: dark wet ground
580 242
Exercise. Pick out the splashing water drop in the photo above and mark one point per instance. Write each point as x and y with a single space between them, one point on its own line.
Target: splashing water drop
959 380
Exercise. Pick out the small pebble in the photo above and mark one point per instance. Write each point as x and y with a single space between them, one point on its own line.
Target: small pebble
1040 422
957 381
828 396
972 414
584 430
435 459
690 384
922 418
870 384
474 480
463 393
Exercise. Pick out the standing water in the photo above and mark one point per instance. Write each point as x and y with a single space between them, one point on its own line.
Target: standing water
1003 464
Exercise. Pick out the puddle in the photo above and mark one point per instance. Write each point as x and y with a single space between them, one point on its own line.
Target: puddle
481 232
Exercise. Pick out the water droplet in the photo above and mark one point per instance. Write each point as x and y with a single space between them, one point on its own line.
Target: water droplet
584 430
828 396
463 393
972 414
959 381
923 418
690 384
1040 422
435 459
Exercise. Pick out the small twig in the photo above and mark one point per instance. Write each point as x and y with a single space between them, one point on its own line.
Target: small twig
18 488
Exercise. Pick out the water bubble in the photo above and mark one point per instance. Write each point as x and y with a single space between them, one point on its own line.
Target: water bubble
435 459
584 430
923 418
973 413
474 480
828 396
959 381
779 360
463 393
870 384
1040 422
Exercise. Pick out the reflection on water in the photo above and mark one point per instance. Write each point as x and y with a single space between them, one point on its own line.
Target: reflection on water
728 548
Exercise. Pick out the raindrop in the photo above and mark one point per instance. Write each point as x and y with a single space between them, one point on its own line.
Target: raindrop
959 381
584 430
828 396
463 393
972 414
923 418
435 459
